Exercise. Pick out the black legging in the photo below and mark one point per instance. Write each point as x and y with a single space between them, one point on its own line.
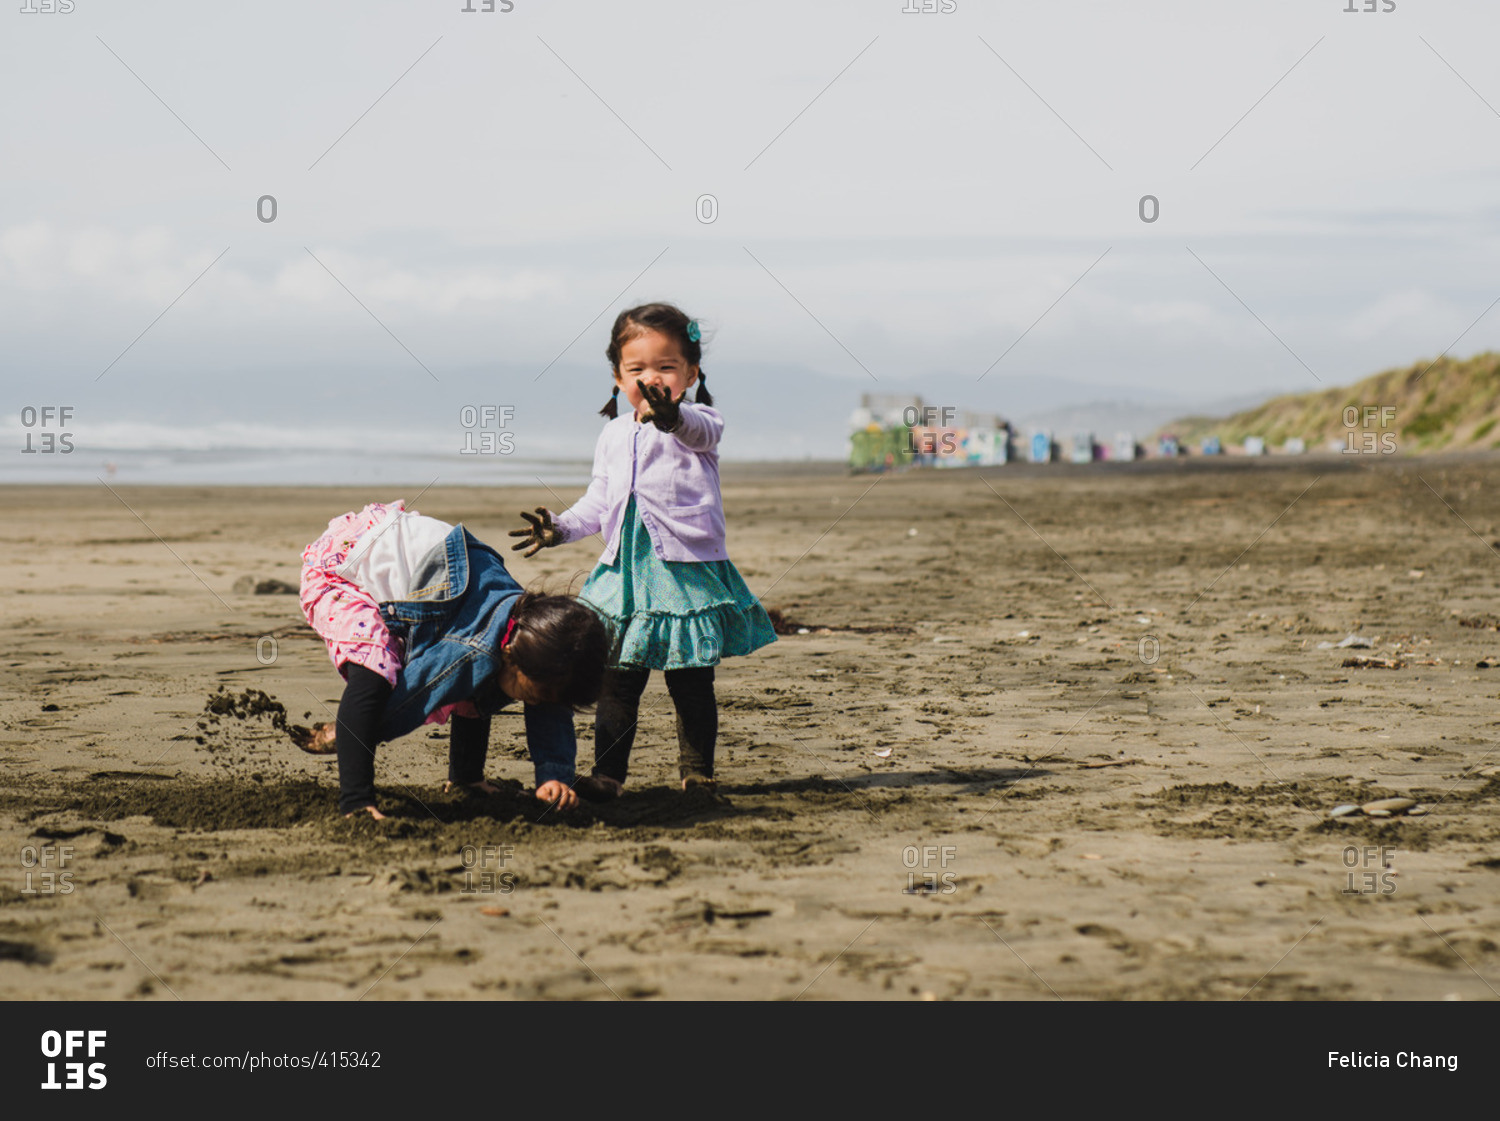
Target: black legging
360 709
619 708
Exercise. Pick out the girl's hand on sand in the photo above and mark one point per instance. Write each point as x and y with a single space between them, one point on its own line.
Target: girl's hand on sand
371 810
663 410
559 794
318 741
541 534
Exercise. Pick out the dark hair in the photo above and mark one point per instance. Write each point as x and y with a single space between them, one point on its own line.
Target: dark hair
559 641
668 320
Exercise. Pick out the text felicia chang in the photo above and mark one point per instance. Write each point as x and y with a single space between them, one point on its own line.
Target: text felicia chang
1404 1059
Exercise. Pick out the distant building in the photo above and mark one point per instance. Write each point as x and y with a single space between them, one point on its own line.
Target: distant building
886 410
989 447
896 430
1254 445
978 440
1125 448
1211 446
1042 447
1083 447
981 439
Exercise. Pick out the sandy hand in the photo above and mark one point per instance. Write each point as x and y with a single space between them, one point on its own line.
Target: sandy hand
559 794
663 409
318 740
540 534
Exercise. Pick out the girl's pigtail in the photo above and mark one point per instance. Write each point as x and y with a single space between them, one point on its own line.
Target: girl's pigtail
703 396
525 602
611 408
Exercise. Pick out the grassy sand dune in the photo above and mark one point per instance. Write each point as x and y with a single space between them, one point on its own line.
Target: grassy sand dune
1447 405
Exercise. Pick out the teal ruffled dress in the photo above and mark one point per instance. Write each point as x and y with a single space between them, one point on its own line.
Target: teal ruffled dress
673 614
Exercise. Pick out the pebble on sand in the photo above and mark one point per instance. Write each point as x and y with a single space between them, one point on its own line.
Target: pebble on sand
1383 807
1387 806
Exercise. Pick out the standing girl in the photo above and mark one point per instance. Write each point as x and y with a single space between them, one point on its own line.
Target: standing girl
664 582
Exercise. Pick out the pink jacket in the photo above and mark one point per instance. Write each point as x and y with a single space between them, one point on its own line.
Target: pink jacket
675 479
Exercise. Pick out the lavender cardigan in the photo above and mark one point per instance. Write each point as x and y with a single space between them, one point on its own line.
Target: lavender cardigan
675 479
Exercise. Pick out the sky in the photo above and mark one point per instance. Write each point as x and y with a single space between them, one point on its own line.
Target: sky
947 203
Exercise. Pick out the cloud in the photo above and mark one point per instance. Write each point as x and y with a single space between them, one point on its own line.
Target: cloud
1163 313
151 266
148 265
1399 313
436 290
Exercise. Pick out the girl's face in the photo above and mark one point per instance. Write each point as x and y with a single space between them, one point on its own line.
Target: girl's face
655 359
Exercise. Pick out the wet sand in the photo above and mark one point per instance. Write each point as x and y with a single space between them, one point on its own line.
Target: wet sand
913 802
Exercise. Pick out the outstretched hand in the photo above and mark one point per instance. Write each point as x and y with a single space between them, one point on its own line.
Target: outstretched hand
663 410
540 534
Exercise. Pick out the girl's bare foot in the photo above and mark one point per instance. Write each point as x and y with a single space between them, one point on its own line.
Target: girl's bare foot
698 782
483 786
598 788
317 741
371 810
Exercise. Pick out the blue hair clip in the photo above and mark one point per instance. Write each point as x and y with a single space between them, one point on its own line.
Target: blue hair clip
693 331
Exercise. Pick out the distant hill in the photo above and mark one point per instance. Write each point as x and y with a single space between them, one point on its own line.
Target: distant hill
1454 404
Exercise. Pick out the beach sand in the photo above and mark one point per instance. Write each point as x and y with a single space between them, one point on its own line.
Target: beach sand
912 803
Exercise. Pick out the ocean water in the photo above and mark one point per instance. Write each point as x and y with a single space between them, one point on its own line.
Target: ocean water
284 467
